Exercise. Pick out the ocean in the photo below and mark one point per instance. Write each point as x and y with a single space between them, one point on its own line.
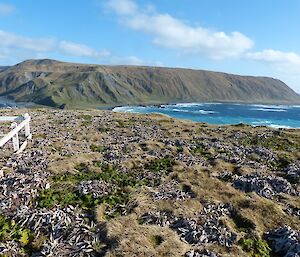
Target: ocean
276 116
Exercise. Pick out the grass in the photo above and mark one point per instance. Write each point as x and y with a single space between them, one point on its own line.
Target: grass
281 162
273 142
255 247
199 150
103 129
87 119
160 164
124 123
98 148
242 223
63 191
10 231
157 240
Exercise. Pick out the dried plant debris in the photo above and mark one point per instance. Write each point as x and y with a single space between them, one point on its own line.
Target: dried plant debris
94 187
198 253
206 227
84 170
293 172
21 185
265 186
172 190
61 232
284 241
292 210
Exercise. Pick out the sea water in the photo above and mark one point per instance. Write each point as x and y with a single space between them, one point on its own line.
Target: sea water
276 116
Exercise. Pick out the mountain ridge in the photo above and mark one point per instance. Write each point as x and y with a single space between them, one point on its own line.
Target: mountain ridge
60 84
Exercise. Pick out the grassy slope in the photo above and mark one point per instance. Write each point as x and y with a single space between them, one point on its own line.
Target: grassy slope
105 130
55 83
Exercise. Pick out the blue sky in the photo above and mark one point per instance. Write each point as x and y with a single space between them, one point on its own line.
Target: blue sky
243 37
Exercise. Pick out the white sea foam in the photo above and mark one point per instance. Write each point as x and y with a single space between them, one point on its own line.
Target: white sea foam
262 106
268 110
279 126
188 104
263 122
205 112
179 110
124 109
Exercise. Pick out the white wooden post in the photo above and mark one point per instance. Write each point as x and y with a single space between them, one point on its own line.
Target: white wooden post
15 138
27 126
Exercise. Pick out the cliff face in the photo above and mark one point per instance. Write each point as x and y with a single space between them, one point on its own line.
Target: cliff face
56 83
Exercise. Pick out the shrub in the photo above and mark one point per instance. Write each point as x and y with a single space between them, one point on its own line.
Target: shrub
97 148
242 223
160 164
63 192
255 247
10 231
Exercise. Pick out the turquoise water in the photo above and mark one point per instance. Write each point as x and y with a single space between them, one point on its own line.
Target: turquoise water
276 116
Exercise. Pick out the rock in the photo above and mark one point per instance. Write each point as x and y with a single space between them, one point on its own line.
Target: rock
171 191
265 186
198 253
284 241
95 188
205 228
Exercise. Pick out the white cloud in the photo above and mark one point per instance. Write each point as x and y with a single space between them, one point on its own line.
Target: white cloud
122 7
14 48
133 60
11 40
286 64
6 9
275 56
173 33
81 50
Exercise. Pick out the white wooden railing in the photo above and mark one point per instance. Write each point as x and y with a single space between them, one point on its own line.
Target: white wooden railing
15 129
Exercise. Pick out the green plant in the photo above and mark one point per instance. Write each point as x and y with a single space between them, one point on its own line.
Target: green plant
82 167
97 148
242 223
273 142
160 164
255 247
103 129
63 192
85 117
10 231
157 240
281 162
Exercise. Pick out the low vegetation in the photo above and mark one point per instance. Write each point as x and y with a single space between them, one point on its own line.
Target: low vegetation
135 185
255 247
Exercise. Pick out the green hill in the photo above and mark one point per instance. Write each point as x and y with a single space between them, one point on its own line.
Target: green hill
55 83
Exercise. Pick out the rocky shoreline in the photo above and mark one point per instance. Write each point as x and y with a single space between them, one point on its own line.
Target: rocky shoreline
98 183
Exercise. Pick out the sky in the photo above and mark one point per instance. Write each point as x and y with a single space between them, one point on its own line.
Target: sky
260 38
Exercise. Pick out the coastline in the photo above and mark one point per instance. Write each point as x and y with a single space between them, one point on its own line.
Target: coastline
275 116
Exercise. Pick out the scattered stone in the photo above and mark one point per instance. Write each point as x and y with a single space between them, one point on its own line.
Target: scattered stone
198 253
284 241
293 172
20 186
171 191
265 186
96 188
207 227
68 231
293 211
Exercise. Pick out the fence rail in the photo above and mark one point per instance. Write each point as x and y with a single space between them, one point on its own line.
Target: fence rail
15 129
